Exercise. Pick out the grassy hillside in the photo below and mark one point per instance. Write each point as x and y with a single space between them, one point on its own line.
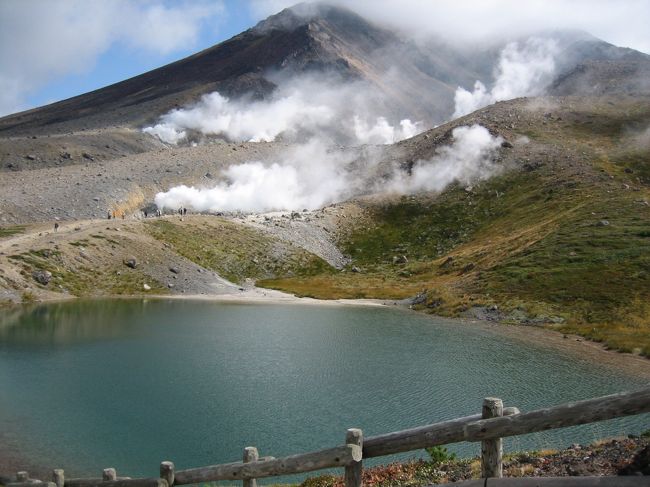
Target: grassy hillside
234 251
562 237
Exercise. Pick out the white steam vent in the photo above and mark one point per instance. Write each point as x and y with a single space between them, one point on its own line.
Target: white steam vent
312 177
300 109
523 70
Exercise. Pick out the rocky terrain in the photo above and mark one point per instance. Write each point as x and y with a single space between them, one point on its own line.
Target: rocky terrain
615 457
567 198
571 200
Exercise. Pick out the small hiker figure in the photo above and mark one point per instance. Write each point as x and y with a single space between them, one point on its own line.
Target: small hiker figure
123 215
145 213
56 226
109 214
184 211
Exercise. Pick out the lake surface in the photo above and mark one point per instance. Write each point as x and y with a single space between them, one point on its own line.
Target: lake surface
127 384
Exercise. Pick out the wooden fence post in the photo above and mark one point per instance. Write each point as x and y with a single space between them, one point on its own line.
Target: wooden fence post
167 472
58 477
492 450
22 476
354 472
109 474
250 455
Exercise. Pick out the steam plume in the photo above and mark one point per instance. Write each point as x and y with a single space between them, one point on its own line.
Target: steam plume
311 176
523 70
299 109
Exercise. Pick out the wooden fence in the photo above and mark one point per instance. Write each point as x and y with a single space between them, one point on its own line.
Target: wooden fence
489 427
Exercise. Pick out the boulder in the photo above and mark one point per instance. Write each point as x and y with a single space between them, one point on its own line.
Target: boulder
146 287
131 262
42 277
447 263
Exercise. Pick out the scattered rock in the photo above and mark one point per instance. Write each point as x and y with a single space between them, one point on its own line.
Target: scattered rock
146 287
419 298
131 262
356 269
42 277
30 157
507 145
603 223
447 263
400 259
468 267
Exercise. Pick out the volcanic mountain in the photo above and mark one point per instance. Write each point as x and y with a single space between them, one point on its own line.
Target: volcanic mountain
416 80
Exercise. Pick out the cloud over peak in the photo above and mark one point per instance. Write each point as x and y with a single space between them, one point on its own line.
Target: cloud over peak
42 40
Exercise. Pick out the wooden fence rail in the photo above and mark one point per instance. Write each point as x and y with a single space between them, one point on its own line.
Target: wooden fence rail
494 423
632 481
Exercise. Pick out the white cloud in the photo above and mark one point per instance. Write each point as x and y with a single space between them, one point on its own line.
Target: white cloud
41 40
622 22
301 108
523 70
469 158
311 176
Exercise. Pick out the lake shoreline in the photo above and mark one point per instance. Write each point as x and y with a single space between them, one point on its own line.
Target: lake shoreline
635 365
588 352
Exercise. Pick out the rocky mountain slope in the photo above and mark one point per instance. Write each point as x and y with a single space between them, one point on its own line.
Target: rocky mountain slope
417 80
558 236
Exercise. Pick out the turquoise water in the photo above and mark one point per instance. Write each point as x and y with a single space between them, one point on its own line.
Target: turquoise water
127 384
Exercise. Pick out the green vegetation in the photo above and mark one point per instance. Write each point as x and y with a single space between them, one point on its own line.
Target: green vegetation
440 454
563 242
236 252
82 279
12 230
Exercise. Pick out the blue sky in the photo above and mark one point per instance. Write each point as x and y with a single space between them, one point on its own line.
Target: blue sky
120 62
55 49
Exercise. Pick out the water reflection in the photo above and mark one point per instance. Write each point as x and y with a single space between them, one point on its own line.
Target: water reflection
128 383
71 322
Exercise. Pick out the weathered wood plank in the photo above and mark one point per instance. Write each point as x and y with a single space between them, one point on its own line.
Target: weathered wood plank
492 450
31 483
207 474
109 474
119 482
416 438
167 472
570 414
306 462
250 455
472 428
354 471
553 482
570 482
58 477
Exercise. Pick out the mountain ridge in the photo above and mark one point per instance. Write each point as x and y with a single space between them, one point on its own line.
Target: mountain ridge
301 39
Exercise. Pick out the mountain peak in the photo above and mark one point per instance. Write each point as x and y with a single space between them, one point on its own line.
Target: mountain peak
307 12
